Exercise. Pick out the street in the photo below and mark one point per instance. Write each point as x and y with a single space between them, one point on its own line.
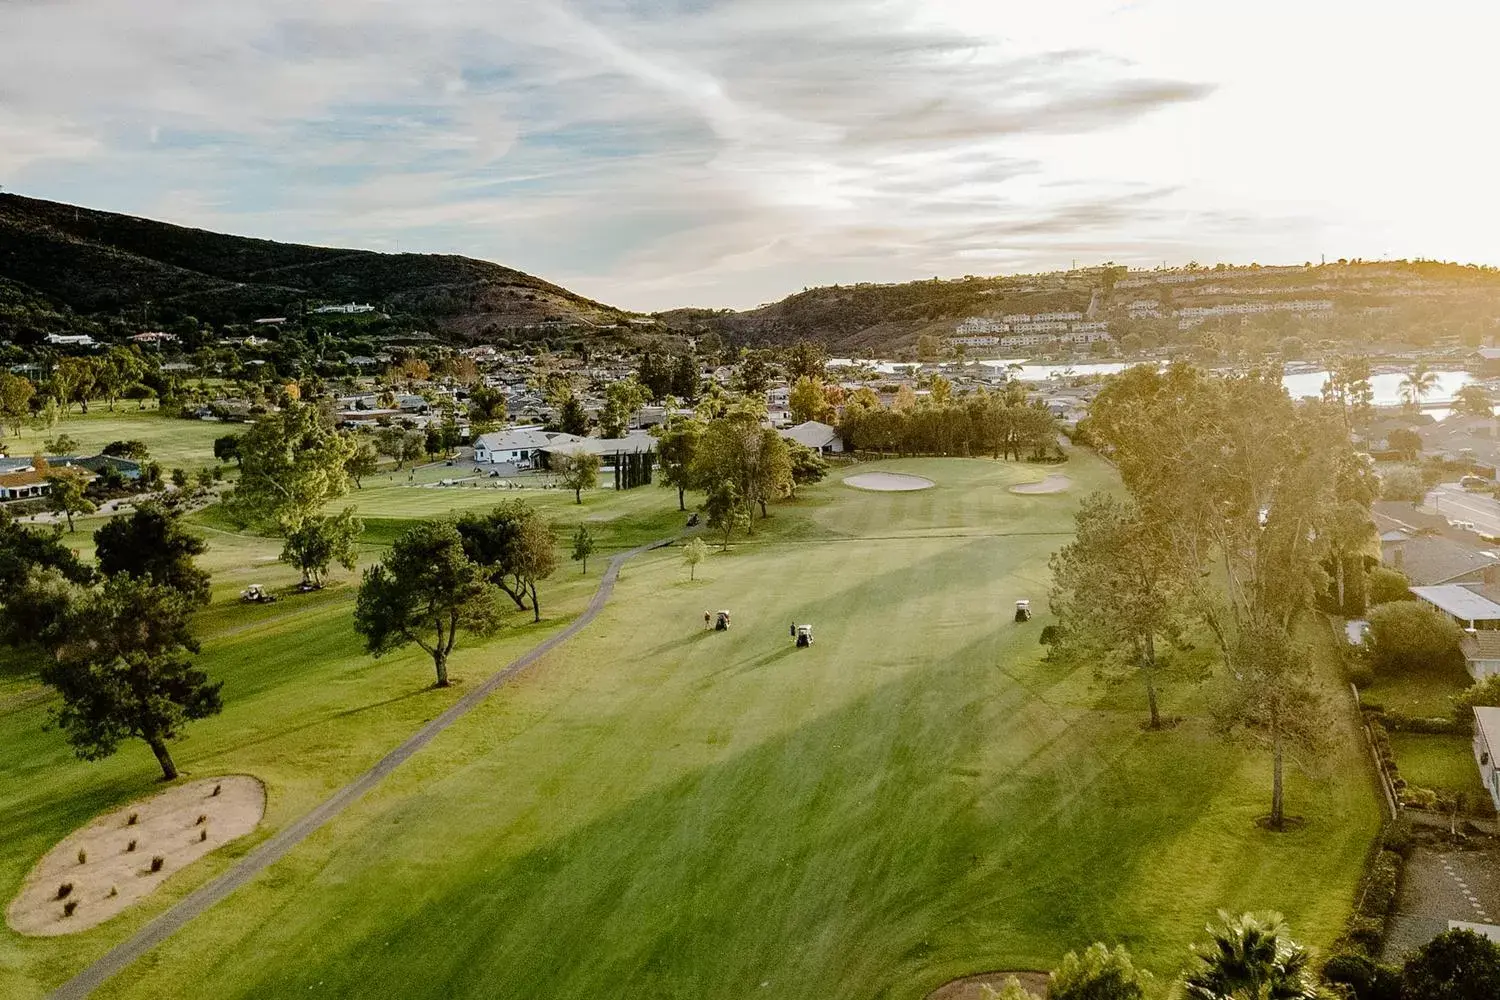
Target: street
1456 504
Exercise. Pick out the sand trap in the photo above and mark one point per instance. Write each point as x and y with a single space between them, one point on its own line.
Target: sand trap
1054 483
167 827
888 482
972 987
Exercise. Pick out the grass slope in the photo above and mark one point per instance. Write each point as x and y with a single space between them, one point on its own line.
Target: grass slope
186 444
656 811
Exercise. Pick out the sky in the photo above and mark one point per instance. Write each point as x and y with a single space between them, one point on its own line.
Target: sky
723 153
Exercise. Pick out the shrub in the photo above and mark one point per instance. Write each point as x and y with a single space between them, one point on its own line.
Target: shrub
203 835
1396 722
65 890
1099 974
83 856
69 907
1365 978
1485 692
1455 965
1358 671
1406 637
1387 585
157 862
132 819
202 818
1403 482
114 891
1397 836
1416 797
130 847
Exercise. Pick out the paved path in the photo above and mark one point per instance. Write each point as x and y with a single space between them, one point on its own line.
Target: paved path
1437 887
277 847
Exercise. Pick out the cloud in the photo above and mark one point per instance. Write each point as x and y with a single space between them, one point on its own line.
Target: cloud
632 148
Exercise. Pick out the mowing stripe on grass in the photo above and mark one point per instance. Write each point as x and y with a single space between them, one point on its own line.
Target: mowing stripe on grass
277 847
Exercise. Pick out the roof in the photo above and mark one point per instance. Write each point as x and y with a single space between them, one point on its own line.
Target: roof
1487 721
1460 602
631 444
1428 560
527 439
1483 644
1399 513
812 434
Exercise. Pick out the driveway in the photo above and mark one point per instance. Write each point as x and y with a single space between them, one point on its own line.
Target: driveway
1440 885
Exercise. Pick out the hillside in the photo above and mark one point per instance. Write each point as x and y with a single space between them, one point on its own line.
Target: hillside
1386 303
102 263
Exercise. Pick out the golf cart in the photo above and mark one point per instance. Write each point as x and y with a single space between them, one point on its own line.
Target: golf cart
721 621
1023 611
804 636
256 594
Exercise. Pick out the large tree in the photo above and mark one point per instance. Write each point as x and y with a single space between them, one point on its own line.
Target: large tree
807 401
293 463
622 398
319 542
576 471
15 401
536 559
1411 637
676 450
513 546
426 591
1119 589
65 494
153 544
362 463
123 665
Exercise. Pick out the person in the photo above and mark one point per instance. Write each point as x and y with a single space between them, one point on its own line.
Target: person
792 631
708 620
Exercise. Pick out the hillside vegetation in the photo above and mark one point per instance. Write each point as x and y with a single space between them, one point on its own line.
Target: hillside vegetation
103 263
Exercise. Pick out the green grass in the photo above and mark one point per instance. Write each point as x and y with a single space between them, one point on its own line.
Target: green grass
1441 762
1428 694
186 444
657 811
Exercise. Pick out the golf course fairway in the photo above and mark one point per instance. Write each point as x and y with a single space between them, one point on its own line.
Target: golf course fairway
658 811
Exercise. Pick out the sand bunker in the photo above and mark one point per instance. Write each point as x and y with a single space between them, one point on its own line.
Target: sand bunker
111 876
973 987
888 482
1054 483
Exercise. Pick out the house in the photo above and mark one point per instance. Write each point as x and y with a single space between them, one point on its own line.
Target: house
1429 560
1469 609
517 444
817 436
71 340
23 485
1486 744
1481 653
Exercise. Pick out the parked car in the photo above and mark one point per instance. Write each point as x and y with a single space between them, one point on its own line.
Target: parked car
1473 482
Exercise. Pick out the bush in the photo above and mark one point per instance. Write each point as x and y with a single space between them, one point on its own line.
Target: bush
65 890
157 862
1415 797
69 907
83 856
1455 965
1387 585
1407 637
1364 977
1397 836
1485 692
1403 482
1098 974
130 847
1358 671
1397 722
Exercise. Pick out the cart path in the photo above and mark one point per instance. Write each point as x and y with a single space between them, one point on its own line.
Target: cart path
166 924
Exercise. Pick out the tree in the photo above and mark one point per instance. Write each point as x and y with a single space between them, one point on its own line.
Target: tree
1011 989
622 398
694 553
1455 965
1118 589
179 477
1402 483
572 418
726 511
736 448
23 549
65 494
676 449
153 544
432 441
1251 957
806 360
1406 443
807 401
487 405
321 540
392 442
15 401
578 471
808 466
127 449
1418 384
425 591
1474 400
1349 531
753 375
536 559
123 667
1408 637
227 448
513 547
362 462
63 444
1386 585
583 546
73 382
1098 974
293 464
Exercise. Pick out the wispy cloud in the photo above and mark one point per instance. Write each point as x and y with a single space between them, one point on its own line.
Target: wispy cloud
652 154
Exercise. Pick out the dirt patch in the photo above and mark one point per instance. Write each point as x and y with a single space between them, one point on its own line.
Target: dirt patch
111 875
972 987
888 482
1055 483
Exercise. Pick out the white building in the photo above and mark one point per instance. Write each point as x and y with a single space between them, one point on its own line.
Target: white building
973 341
348 309
815 435
71 340
981 325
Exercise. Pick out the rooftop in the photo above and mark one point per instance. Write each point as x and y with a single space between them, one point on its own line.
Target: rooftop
1460 602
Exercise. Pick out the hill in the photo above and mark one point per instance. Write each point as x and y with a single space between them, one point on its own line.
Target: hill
102 263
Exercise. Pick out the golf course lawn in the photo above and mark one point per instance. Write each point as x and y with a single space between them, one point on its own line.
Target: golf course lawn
174 443
653 810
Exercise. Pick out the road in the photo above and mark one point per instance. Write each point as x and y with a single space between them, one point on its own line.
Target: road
277 847
1456 504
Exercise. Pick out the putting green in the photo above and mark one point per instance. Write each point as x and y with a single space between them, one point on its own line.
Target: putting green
658 811
888 482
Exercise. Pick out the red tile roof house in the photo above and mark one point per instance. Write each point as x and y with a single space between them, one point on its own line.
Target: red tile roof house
23 485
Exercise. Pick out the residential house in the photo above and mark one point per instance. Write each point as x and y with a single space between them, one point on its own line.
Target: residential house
1481 653
816 435
516 444
1429 560
23 485
1486 745
1470 609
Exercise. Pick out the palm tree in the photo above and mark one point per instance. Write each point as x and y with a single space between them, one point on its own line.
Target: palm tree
1251 957
1419 383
